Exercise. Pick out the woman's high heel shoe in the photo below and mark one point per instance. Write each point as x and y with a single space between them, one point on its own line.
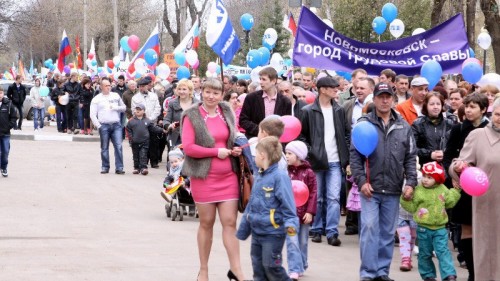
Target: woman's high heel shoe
232 276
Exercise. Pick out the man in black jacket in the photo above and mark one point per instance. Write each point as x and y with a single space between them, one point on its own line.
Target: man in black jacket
324 131
16 93
258 105
72 88
8 117
393 161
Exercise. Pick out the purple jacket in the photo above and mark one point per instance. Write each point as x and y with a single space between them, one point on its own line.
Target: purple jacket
305 174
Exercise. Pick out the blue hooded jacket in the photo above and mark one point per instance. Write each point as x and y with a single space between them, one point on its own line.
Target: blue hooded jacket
271 209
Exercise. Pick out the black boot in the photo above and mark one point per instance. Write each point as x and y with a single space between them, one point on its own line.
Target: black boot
466 245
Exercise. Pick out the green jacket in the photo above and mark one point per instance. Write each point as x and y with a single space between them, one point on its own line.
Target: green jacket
429 205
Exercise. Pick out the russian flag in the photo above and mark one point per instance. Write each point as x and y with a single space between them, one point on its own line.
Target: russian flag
153 42
64 50
289 24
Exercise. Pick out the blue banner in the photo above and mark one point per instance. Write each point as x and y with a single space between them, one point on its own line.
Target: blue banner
220 35
319 46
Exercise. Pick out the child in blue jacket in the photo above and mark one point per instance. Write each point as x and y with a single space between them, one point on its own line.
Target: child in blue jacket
270 214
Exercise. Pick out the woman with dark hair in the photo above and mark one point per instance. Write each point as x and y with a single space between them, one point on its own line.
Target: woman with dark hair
208 133
476 106
86 95
432 129
242 87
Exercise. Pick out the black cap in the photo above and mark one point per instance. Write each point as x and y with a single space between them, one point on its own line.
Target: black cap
148 78
143 82
382 88
327 82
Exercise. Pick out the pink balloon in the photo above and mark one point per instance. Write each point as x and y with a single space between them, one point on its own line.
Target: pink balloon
133 42
91 56
469 60
474 181
310 97
212 67
300 193
196 65
292 128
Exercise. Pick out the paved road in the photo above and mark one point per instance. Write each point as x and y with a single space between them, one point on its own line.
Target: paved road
62 220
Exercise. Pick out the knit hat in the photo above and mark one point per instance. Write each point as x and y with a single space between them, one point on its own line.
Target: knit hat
298 148
434 170
177 153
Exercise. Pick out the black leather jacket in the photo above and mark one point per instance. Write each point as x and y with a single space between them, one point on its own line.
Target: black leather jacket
8 117
430 137
15 96
73 89
313 133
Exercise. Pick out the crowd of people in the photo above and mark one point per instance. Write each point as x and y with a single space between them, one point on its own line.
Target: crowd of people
198 121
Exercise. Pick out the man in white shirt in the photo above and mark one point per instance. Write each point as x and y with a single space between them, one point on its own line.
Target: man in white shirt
105 110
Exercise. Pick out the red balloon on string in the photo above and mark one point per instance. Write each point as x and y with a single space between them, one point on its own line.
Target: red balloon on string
133 42
292 128
110 64
91 56
310 97
300 193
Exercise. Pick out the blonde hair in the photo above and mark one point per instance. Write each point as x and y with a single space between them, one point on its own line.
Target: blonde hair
489 89
271 146
186 83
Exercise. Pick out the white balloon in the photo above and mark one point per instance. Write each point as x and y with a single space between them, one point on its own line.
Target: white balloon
417 31
191 57
290 53
484 40
276 62
116 61
397 28
140 65
254 75
64 99
490 79
270 36
163 71
328 22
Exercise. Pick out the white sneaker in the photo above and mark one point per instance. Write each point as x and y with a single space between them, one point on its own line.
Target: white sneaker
415 250
5 173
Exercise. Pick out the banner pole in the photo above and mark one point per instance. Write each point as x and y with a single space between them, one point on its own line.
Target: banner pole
221 73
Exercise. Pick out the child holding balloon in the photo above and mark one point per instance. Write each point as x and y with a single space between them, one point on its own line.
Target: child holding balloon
300 170
270 215
428 206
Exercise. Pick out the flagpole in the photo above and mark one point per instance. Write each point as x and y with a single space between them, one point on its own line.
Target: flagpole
221 73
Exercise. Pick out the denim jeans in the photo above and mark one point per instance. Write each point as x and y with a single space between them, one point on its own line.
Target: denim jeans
4 151
329 184
140 155
434 240
111 132
296 250
267 258
61 118
38 113
379 216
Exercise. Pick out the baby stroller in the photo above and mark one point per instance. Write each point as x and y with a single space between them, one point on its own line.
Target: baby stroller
181 201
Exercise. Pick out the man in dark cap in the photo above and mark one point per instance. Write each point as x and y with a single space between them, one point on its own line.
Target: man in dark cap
325 132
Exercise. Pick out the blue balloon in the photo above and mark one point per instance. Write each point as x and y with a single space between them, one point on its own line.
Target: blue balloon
47 63
124 44
389 12
246 21
288 62
52 67
347 75
150 56
137 75
379 24
253 59
183 72
217 70
94 62
265 55
99 69
471 53
365 137
180 58
472 72
432 71
267 45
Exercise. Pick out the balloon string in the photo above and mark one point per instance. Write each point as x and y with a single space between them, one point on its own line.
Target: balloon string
367 171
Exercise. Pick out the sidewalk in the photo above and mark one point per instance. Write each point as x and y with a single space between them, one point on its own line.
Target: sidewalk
49 133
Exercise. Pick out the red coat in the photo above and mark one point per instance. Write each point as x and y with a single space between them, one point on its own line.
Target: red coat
305 174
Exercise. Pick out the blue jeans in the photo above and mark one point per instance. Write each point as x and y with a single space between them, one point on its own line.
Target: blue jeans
379 216
329 184
434 240
4 151
296 250
38 113
111 132
267 259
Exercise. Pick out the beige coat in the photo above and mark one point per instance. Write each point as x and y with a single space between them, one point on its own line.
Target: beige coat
482 149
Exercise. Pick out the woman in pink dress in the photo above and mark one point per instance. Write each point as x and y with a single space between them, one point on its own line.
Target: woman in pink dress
208 133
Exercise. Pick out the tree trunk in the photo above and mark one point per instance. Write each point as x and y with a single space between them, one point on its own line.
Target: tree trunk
492 24
436 12
470 22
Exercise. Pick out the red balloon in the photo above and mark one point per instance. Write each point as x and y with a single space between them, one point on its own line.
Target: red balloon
131 68
310 97
300 192
292 128
110 64
91 56
133 42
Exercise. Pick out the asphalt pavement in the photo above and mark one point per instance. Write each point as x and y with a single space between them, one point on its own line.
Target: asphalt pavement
60 219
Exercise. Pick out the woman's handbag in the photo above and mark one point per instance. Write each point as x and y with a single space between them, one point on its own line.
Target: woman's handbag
245 178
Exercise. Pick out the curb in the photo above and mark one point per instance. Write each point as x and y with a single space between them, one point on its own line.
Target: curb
54 138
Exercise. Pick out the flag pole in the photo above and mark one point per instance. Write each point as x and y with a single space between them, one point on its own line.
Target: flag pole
221 73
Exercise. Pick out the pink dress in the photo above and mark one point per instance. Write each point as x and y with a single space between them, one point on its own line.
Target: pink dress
221 183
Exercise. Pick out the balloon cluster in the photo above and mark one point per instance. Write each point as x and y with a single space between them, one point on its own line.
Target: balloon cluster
49 64
389 15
